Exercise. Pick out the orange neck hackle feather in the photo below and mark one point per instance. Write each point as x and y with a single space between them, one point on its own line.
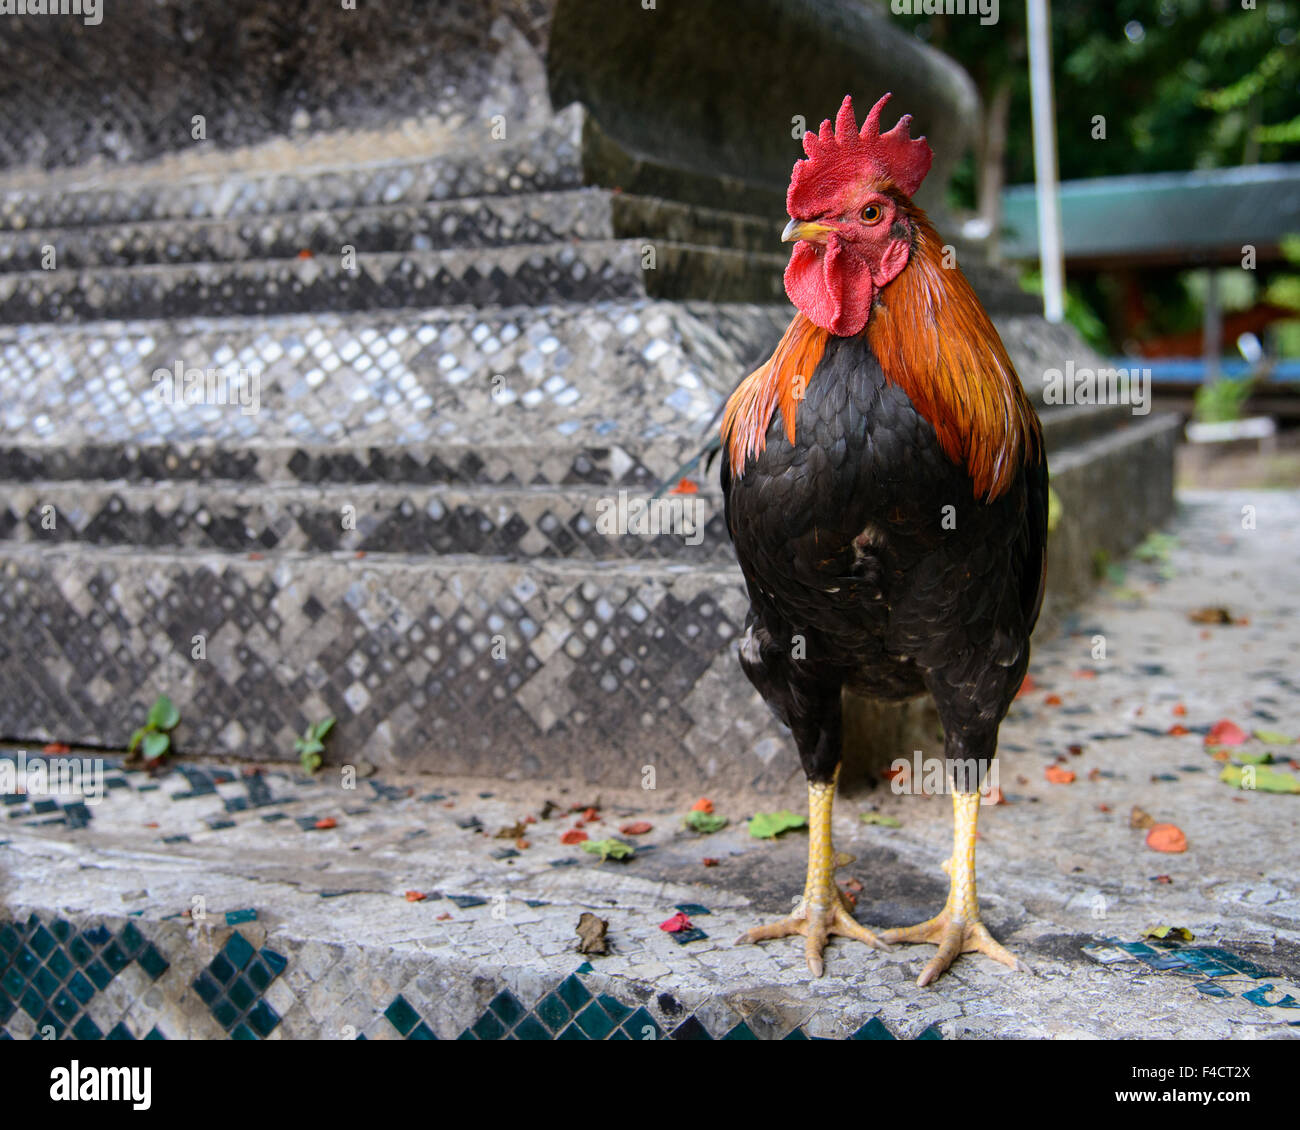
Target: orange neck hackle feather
780 382
935 342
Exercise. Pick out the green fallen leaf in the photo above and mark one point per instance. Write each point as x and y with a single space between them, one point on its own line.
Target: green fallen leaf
769 825
1156 547
1259 778
609 849
1169 933
881 819
1262 758
163 714
155 745
704 822
1272 737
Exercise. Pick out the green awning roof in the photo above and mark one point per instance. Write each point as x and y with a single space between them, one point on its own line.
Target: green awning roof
1190 217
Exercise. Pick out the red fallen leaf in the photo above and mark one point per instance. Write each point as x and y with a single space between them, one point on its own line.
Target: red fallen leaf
573 836
152 824
305 254
1224 732
590 814
255 557
327 822
1052 700
1027 687
1177 730
1180 710
56 747
1161 879
638 828
709 861
1075 750
702 805
1085 673
442 918
530 819
416 896
677 922
853 885
360 553
685 486
1220 755
1103 808
1059 776
1166 837
522 844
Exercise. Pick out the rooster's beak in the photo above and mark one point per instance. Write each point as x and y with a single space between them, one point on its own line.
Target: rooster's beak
805 229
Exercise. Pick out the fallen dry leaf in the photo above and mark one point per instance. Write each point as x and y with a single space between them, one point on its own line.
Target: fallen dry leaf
416 896
327 822
637 828
1166 837
709 861
1059 776
1180 710
1210 614
573 836
56 748
702 805
676 923
1052 700
1177 730
685 486
591 934
1140 818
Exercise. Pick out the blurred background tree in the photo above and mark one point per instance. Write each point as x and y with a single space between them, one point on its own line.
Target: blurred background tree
1179 84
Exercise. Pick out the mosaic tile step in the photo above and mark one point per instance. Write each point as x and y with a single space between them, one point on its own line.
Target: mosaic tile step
483 221
582 505
424 660
545 158
445 662
506 522
525 375
588 272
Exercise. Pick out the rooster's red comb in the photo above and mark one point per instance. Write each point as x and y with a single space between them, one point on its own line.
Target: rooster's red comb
837 159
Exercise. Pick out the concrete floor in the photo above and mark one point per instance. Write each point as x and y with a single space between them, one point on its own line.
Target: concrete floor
1060 867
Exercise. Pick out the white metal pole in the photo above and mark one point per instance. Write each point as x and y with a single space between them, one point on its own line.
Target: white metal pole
1051 254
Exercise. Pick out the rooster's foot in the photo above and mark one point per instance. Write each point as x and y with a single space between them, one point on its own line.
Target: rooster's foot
817 923
953 935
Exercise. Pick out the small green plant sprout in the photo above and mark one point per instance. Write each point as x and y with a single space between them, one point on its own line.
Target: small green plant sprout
152 741
311 745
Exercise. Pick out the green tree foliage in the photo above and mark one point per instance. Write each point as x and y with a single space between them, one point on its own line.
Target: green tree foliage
1181 84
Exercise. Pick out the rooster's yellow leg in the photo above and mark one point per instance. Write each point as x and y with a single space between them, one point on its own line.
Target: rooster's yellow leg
957 928
823 910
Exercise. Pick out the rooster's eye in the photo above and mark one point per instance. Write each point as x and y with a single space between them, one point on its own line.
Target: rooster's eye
872 214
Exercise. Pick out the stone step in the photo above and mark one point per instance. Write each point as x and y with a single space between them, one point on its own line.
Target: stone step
286 501
472 222
623 657
579 272
549 158
578 524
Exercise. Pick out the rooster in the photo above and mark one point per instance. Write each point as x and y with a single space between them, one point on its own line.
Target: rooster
885 488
